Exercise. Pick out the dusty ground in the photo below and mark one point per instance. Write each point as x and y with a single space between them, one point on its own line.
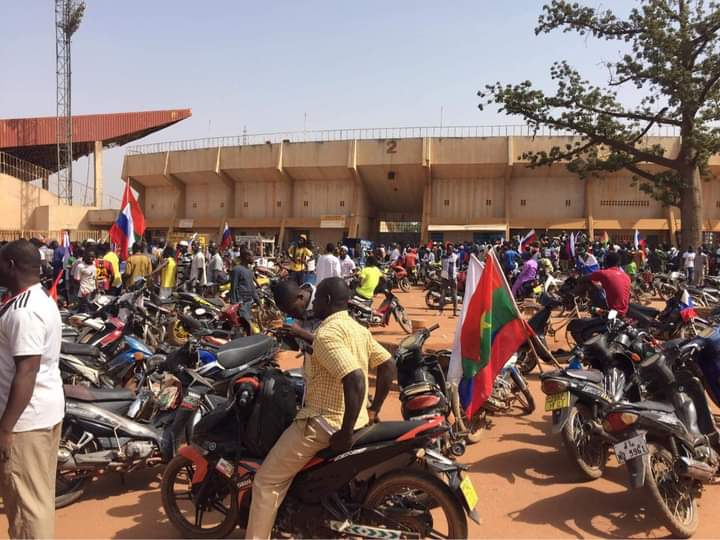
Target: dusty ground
527 487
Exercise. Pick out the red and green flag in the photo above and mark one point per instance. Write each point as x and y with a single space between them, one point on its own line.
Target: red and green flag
492 331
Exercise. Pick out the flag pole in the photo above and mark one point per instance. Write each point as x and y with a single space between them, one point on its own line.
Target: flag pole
525 323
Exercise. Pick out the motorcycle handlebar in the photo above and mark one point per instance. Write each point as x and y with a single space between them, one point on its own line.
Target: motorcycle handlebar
433 328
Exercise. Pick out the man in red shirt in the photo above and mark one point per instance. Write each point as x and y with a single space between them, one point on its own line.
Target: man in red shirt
615 283
410 261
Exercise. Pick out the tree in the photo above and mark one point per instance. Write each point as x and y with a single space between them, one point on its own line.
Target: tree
673 61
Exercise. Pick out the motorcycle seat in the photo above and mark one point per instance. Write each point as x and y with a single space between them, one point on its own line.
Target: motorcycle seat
360 301
645 310
79 349
243 350
654 406
590 375
85 393
380 432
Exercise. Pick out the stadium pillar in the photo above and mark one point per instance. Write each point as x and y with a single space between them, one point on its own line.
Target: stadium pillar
427 192
507 188
98 173
588 208
179 187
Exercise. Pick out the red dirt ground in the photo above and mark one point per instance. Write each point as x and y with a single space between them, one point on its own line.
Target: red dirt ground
527 486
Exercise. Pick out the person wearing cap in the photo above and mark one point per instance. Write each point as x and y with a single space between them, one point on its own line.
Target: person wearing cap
347 265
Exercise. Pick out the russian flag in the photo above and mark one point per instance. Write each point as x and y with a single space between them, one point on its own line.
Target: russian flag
687 307
226 238
529 237
639 242
130 223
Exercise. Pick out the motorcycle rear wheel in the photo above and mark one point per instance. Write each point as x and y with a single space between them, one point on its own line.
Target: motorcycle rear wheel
180 470
578 445
417 492
671 495
404 284
403 320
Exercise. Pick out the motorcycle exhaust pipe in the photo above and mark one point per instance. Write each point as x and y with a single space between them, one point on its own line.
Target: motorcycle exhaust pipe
95 460
692 468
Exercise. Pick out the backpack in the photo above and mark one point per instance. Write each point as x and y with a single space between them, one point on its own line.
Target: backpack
274 410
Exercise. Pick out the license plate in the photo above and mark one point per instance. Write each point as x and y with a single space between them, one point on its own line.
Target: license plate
468 491
631 448
560 400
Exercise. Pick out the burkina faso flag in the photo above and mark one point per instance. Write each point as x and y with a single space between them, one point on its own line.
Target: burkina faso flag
492 331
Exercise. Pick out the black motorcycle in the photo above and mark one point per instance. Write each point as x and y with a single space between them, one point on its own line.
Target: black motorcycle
670 442
391 483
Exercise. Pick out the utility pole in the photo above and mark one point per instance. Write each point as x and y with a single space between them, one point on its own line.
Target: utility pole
68 15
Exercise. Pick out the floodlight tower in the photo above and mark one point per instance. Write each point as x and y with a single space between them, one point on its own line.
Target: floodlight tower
68 15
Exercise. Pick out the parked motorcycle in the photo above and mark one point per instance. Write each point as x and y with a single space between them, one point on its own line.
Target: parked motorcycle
362 311
100 434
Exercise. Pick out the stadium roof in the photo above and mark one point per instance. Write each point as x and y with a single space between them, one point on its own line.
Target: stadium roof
34 139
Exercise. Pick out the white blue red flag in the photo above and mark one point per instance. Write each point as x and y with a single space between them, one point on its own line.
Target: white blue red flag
130 223
528 239
687 307
226 238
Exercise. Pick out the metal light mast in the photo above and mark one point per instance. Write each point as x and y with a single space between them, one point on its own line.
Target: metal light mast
68 15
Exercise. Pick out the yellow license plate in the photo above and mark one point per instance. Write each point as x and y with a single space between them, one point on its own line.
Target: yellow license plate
468 491
557 401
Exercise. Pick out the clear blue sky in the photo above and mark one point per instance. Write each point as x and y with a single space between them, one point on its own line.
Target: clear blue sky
266 64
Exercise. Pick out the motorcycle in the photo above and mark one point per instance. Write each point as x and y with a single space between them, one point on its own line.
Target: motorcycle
362 311
435 292
386 485
670 444
100 433
579 398
397 277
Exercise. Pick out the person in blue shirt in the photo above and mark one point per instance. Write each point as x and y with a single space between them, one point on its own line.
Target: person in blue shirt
510 258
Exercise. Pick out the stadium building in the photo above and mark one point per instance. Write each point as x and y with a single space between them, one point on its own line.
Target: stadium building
408 184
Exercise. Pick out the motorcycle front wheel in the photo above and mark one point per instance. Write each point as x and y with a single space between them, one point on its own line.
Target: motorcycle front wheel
70 485
523 396
417 503
432 299
208 513
403 320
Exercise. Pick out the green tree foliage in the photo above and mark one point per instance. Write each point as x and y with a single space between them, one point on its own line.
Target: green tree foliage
672 59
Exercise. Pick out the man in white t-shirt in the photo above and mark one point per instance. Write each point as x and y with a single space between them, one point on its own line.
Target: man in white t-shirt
689 263
347 265
328 265
31 394
395 253
198 275
85 274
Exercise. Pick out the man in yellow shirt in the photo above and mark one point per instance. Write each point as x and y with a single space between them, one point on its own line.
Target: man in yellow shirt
109 255
138 265
168 272
299 256
370 277
336 378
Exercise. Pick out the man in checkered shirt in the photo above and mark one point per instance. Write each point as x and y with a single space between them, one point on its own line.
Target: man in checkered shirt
336 379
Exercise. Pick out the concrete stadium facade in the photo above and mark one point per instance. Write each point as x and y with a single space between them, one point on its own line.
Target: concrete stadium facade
451 187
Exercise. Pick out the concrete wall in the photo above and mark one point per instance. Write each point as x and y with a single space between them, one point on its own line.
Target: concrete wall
484 181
